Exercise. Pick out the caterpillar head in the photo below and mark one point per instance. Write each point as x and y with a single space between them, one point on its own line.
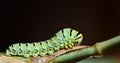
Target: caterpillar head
78 39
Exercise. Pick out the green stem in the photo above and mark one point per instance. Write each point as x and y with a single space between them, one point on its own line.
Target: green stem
108 44
98 48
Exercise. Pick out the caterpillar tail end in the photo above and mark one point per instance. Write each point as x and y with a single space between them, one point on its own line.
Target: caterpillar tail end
7 53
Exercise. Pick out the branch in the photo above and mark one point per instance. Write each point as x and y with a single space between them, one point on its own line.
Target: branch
96 49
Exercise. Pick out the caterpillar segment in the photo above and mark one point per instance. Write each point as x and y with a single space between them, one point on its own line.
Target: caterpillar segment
36 49
63 39
50 48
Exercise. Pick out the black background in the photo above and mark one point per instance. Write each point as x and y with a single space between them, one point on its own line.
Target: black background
36 20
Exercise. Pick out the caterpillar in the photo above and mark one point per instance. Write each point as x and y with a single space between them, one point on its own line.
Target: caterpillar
63 39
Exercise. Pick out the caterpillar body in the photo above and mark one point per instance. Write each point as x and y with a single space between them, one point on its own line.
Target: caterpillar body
63 39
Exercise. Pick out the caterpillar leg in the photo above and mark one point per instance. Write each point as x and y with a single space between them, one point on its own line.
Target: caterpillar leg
50 52
66 47
61 45
43 54
71 45
35 53
26 55
56 48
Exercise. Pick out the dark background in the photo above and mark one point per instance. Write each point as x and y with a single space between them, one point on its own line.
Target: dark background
36 20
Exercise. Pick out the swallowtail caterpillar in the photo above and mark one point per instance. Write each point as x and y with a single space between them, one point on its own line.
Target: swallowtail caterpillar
63 39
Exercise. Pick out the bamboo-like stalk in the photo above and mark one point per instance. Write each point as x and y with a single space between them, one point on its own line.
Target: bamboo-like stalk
96 49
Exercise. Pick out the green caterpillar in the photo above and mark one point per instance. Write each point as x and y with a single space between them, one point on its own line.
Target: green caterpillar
63 39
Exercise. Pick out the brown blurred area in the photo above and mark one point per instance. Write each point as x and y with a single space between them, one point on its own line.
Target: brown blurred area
35 20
